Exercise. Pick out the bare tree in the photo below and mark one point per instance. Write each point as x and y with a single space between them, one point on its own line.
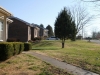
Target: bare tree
81 18
96 2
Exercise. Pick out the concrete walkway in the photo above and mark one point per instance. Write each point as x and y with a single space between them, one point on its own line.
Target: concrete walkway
69 68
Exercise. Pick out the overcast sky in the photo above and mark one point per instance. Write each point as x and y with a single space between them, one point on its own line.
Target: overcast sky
45 11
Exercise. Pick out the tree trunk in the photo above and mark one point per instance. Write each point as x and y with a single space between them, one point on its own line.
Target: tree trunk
62 44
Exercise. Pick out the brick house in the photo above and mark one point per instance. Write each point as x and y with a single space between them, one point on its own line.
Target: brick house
19 29
43 32
34 31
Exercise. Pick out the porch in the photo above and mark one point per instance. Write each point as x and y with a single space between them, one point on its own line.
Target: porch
4 21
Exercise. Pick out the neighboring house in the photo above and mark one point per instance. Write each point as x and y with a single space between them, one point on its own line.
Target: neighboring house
4 21
43 33
34 31
19 29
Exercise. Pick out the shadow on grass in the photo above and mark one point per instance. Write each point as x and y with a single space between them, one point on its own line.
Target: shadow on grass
42 44
45 45
45 48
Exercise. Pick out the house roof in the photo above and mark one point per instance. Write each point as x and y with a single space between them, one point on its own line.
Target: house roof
39 26
5 12
20 20
35 26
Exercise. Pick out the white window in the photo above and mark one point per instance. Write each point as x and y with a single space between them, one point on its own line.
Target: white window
1 26
1 30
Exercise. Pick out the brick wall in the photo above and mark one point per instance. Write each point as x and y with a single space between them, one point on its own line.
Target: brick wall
18 29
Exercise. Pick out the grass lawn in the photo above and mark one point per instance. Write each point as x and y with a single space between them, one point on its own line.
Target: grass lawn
79 53
25 64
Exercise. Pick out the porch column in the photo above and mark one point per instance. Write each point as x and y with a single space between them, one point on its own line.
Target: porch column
5 29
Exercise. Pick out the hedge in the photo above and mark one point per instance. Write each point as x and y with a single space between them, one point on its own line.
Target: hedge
9 49
18 47
21 48
13 40
27 46
6 50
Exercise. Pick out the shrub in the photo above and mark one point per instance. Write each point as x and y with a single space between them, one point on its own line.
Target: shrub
16 46
6 50
21 47
13 40
27 46
37 38
30 41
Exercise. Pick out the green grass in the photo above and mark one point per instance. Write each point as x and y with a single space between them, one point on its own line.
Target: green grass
45 45
80 53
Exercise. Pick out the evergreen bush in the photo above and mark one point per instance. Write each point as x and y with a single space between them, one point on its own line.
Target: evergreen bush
6 50
21 47
27 46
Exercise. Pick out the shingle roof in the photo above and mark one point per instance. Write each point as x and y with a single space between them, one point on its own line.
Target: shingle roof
38 26
34 25
20 20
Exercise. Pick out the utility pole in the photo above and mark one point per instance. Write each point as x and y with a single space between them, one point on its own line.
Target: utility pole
82 32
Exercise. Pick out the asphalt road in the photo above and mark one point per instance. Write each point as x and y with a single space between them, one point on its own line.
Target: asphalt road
95 41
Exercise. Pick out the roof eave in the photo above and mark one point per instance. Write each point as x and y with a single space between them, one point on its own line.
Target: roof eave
4 11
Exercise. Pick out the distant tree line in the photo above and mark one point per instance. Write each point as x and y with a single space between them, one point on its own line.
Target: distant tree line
50 31
95 35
